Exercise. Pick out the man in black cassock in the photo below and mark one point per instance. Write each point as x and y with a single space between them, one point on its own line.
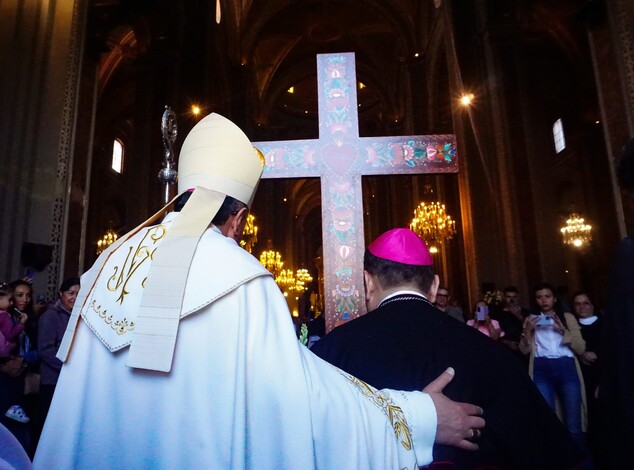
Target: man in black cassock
616 389
404 342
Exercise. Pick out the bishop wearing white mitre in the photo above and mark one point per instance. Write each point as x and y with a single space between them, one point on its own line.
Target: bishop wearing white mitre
184 354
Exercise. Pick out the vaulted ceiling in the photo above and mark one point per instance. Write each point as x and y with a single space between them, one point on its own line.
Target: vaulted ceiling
149 53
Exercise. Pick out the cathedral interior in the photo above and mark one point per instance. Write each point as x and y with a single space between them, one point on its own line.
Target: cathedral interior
80 75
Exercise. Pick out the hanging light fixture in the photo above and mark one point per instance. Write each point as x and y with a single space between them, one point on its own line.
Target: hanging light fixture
250 234
432 223
108 239
272 260
285 279
576 232
302 277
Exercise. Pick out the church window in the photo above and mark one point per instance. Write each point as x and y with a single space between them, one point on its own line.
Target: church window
558 136
117 156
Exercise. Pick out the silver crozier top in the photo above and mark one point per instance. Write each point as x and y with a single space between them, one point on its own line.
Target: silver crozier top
168 174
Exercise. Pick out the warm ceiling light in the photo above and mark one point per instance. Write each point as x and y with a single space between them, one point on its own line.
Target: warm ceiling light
361 85
466 99
272 260
195 110
291 90
576 232
108 239
416 55
432 223
249 234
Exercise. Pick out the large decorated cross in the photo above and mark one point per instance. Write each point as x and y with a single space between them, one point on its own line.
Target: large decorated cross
340 158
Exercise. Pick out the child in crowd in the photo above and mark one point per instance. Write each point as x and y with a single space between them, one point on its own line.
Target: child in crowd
11 330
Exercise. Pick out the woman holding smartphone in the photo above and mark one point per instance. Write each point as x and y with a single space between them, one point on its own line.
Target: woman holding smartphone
552 337
483 323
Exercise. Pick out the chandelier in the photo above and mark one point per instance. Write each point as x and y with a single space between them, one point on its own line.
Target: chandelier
302 277
285 279
272 260
250 234
293 282
576 232
108 239
432 223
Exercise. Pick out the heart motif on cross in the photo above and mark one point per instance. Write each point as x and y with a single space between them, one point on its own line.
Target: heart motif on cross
340 157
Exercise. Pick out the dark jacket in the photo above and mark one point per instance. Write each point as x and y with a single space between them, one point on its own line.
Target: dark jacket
51 328
617 361
406 343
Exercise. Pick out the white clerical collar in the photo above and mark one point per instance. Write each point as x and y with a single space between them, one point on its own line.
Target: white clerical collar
170 216
403 292
589 320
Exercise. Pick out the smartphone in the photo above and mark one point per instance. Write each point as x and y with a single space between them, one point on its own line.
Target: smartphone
481 312
545 320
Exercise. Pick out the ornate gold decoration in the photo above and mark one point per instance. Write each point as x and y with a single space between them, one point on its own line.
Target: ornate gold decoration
119 326
432 223
293 282
576 232
250 234
285 279
135 258
302 277
394 413
272 260
108 239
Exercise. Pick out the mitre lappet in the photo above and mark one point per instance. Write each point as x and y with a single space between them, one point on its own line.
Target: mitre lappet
134 295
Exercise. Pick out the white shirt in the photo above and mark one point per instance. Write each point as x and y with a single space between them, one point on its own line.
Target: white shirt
548 343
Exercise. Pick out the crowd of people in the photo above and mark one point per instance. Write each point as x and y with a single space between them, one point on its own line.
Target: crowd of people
31 331
559 348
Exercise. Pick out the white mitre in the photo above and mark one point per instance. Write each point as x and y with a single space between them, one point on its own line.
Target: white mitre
133 295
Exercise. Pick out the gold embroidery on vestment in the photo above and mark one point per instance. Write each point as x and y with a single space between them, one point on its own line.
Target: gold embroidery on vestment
394 413
120 278
119 326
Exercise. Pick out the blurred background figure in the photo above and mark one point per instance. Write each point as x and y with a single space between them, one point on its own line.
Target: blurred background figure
591 325
23 303
511 316
30 377
481 320
552 338
13 365
52 326
443 304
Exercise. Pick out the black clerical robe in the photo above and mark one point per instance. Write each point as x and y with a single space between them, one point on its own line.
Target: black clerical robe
406 343
616 390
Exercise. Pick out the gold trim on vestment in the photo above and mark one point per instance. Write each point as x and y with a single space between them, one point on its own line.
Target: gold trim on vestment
394 413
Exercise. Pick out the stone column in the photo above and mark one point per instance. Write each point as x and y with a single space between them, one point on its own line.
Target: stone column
40 51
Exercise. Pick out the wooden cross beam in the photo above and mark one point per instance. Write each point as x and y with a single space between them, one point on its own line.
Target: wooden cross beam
340 158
